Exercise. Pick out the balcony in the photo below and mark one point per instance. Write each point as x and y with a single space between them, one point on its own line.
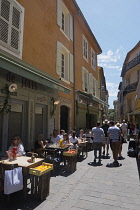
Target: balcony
130 88
130 65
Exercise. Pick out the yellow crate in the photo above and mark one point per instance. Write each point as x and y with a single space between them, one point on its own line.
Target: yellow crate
37 172
70 154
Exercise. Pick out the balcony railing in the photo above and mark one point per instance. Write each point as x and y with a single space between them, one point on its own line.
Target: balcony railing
130 88
131 64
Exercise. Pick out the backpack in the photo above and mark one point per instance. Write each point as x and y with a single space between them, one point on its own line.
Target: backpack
131 152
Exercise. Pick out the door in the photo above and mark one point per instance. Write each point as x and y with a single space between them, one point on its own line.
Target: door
64 115
16 122
40 120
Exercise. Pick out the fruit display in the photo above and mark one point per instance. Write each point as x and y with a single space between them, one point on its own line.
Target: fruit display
42 169
70 153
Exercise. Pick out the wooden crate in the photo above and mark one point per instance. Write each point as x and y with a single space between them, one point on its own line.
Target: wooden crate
36 172
40 186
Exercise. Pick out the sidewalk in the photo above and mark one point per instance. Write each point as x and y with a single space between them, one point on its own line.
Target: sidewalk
91 187
96 187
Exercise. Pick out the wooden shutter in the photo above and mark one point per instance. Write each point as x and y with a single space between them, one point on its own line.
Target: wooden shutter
66 75
15 28
71 68
71 26
58 57
90 83
4 20
83 78
96 92
59 12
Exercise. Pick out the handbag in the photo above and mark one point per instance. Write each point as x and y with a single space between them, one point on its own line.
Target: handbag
13 180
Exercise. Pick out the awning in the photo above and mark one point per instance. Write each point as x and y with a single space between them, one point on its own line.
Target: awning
94 98
138 105
26 70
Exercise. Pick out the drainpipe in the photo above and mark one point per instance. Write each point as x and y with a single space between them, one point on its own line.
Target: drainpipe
74 66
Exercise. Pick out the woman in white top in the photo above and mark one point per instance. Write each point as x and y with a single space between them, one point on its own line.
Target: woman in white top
16 142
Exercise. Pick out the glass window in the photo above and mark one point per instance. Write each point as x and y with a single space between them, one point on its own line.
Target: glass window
85 48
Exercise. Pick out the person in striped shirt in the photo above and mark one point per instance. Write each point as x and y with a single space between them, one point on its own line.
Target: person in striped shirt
114 134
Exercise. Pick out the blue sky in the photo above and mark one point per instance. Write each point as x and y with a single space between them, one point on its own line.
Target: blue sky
116 26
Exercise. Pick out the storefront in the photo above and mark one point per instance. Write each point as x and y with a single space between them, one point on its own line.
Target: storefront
26 111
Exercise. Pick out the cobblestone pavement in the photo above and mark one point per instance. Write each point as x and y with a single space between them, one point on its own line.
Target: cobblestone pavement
93 187
96 187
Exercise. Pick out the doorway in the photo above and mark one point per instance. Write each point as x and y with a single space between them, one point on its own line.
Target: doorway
64 116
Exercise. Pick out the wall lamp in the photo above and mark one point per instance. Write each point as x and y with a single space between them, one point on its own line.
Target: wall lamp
53 106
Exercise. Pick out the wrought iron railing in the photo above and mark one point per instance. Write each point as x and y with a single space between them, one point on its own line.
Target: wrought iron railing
130 88
131 64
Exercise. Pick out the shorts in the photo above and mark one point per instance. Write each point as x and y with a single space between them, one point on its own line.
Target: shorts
106 140
97 145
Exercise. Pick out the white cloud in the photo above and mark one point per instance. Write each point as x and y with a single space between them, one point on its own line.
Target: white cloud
109 66
110 56
112 88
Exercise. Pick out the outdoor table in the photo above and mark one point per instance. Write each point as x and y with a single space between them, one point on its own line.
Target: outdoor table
22 162
83 145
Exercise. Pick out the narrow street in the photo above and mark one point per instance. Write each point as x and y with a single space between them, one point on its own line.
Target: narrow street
96 188
91 187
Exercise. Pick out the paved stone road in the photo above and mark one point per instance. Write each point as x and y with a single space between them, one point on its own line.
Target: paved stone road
90 187
96 187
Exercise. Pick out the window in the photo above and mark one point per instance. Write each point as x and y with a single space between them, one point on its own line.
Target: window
64 63
85 48
11 23
93 59
85 80
138 74
64 19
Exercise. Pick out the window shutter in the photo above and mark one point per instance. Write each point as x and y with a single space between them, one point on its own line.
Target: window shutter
58 62
96 92
67 25
59 12
90 83
71 27
71 68
87 79
15 29
83 78
4 20
67 69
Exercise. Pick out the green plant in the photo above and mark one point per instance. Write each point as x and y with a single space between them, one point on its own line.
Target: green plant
6 106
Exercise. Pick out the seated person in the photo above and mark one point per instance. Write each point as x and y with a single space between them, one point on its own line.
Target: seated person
40 145
66 140
73 139
61 134
82 135
55 137
16 142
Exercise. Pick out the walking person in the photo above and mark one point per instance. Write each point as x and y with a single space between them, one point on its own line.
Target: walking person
106 138
114 134
98 135
124 128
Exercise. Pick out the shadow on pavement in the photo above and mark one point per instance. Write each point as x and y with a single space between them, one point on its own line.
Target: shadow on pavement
95 164
138 165
16 201
112 165
106 157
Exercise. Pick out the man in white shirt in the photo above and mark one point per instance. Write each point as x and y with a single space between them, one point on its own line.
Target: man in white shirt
98 134
124 128
55 137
